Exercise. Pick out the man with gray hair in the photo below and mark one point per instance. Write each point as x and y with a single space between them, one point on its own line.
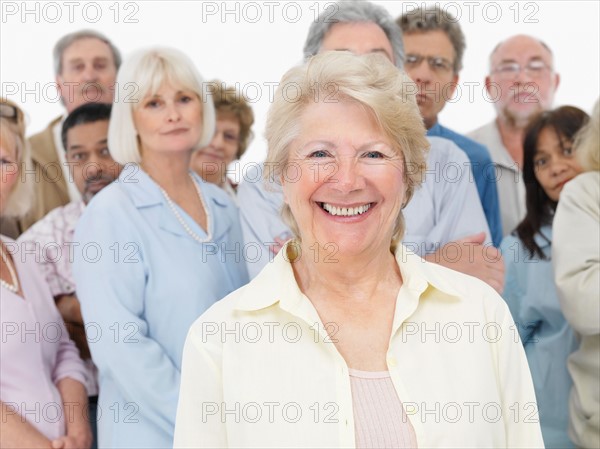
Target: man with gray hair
522 82
434 45
85 65
445 222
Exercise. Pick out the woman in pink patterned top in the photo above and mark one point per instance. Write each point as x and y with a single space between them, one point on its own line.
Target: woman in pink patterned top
42 396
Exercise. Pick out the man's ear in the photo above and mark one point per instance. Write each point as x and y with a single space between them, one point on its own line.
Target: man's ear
60 85
556 80
488 82
454 84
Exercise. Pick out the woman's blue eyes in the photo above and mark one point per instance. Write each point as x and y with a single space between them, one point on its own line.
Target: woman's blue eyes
367 155
319 153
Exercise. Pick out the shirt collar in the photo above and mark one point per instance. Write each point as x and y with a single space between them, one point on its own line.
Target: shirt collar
276 283
497 149
435 130
145 192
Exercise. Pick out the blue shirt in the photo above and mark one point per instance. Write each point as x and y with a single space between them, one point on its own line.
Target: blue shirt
484 175
142 280
443 209
548 339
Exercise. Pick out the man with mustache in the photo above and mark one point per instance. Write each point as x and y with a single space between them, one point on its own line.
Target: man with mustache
521 83
434 44
84 135
86 64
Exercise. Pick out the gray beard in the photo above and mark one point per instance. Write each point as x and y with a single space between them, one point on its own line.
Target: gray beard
519 121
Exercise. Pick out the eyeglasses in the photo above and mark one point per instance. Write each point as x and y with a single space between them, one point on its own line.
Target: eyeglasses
436 63
510 70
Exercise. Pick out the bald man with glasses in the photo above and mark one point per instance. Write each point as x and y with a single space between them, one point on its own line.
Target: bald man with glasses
522 81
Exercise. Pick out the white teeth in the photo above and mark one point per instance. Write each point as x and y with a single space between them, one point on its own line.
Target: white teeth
346 211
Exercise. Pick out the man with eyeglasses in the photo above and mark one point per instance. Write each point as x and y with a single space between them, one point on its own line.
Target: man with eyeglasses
522 82
434 44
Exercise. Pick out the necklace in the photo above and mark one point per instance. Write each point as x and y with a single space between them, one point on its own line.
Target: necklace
180 218
14 287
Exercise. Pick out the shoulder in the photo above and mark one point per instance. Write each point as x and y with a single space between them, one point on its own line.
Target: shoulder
513 250
254 187
477 301
111 210
443 149
483 132
113 197
586 184
474 150
219 316
472 297
45 135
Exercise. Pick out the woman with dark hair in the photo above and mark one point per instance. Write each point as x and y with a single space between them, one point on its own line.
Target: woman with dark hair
549 163
576 261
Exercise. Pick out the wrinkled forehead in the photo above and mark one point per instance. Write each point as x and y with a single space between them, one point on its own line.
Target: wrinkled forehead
87 47
521 49
359 38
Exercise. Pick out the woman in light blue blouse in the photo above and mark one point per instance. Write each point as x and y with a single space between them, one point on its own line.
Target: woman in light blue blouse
530 292
154 249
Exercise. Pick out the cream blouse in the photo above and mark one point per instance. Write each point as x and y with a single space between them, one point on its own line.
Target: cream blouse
259 369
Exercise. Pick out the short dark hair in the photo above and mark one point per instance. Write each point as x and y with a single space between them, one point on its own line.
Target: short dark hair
87 113
433 18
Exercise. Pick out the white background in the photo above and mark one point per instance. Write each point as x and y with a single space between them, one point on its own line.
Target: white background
254 50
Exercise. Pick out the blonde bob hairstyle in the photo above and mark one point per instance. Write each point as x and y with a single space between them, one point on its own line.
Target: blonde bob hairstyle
588 142
141 75
370 80
12 135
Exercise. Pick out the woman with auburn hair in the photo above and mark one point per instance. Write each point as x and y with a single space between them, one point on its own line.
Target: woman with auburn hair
168 246
42 392
549 162
230 140
577 274
331 344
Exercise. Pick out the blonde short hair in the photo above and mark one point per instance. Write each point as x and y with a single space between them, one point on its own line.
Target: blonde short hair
588 142
142 74
370 80
12 135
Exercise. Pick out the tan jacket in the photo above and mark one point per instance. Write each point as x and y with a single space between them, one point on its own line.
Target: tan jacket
50 184
576 260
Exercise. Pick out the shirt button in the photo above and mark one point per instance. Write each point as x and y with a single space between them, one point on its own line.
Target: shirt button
391 361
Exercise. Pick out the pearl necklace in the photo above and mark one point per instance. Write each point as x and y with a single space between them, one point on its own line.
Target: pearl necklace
180 218
14 287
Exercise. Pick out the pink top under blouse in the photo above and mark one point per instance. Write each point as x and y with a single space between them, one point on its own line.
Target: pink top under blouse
379 417
35 351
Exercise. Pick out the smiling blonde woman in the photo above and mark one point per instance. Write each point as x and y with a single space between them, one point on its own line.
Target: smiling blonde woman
348 339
